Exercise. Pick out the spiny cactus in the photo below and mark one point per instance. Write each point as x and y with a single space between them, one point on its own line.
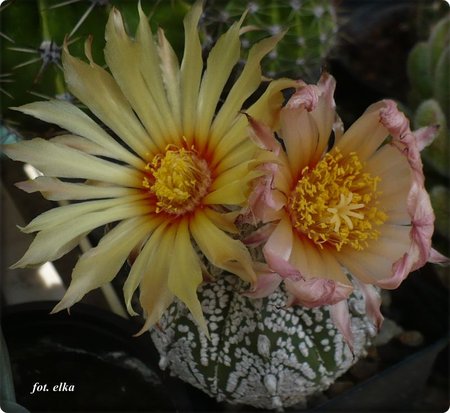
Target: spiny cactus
31 50
310 25
260 353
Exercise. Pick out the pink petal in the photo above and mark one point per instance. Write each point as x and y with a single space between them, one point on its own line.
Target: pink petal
318 101
419 206
264 199
425 136
266 283
277 250
398 126
315 292
281 265
256 238
341 319
422 220
307 96
401 268
418 203
437 258
393 120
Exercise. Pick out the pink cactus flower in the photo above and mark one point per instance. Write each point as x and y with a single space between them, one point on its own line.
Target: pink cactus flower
353 213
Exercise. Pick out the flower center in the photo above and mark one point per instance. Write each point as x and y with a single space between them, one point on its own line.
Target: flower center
336 203
179 179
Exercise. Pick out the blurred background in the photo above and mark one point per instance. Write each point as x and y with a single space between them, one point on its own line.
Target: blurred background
375 49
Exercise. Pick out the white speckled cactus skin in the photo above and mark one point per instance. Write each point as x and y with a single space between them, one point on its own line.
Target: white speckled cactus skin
260 353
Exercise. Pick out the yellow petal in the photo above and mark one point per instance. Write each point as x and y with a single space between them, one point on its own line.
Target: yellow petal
221 60
83 145
191 70
333 270
100 265
155 296
246 151
386 163
124 58
185 274
153 74
51 244
268 106
55 190
223 221
221 250
63 214
141 267
324 115
54 159
170 72
266 109
232 193
68 116
246 84
236 173
96 88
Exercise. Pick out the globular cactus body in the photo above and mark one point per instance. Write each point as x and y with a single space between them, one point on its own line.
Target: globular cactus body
260 353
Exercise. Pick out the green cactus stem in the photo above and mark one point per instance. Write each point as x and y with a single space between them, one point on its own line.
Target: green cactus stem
310 27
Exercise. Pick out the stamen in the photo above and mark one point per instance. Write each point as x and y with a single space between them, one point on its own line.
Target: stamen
335 203
179 179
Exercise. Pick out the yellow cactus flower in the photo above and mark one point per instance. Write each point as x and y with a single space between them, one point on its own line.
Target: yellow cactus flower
179 162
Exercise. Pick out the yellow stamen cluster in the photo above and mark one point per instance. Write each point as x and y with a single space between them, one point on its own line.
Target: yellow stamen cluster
335 203
179 179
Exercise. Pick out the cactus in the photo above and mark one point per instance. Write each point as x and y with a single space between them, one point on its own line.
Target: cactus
260 353
31 50
429 75
310 25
